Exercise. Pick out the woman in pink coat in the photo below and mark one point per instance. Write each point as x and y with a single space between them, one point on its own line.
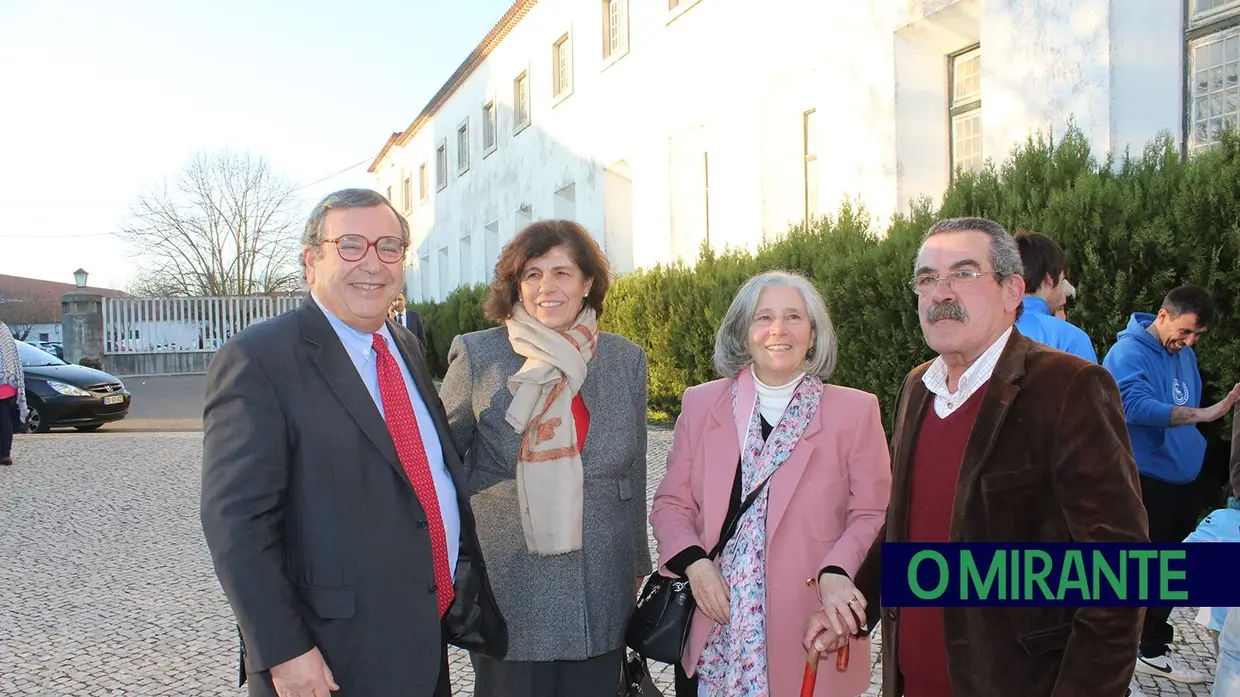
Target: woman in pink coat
797 547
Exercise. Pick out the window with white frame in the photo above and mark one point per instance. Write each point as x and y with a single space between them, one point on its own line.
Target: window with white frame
462 147
810 156
1214 86
521 101
406 194
1207 9
441 166
423 184
562 61
489 130
466 261
615 28
966 110
424 272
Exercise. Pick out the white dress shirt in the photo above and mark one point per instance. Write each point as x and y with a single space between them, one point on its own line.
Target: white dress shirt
935 378
361 351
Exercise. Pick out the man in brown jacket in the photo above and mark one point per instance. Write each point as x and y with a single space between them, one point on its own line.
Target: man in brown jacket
1001 439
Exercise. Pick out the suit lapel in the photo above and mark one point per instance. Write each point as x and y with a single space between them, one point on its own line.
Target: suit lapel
1000 392
333 363
784 482
722 455
911 409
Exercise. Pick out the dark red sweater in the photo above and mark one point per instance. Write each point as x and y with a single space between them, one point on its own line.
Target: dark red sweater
581 419
922 645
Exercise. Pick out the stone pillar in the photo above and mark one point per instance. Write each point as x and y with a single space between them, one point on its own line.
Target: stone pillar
81 321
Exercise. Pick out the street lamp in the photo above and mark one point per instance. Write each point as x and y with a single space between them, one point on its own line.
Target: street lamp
79 278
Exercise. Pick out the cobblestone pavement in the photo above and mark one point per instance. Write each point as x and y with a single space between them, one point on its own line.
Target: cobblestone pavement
106 587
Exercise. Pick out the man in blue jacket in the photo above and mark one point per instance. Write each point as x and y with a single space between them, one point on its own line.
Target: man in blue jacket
1046 288
1156 369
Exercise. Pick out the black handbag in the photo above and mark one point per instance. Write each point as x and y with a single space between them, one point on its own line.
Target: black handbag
635 679
659 625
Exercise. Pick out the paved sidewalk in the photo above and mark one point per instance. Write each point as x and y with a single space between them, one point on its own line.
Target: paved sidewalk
106 587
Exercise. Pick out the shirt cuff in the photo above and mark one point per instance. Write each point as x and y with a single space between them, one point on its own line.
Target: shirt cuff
834 570
679 563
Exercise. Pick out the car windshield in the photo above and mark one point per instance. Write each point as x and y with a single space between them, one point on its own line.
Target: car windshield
33 357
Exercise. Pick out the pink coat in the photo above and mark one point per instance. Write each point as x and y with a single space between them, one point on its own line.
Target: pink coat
827 503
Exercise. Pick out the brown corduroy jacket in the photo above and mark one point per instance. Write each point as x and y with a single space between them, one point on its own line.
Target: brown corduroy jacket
1048 461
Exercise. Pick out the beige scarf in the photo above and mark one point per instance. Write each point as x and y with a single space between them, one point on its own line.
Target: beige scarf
550 480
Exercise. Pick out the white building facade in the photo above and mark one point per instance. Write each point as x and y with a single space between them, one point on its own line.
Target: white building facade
663 125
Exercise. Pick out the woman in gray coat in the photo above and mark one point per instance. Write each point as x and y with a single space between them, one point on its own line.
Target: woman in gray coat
550 416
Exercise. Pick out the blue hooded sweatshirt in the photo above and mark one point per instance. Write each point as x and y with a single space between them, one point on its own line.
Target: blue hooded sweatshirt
1152 382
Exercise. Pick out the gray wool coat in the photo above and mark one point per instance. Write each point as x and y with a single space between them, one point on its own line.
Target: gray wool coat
577 605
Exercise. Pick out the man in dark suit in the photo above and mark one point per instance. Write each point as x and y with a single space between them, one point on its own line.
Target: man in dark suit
333 500
1001 440
410 319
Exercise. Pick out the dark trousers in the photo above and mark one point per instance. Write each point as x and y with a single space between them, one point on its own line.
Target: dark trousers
685 685
8 409
594 677
1172 513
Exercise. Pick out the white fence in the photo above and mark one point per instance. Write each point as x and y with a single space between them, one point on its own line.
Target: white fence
183 325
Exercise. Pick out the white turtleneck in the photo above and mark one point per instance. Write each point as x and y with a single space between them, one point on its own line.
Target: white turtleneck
773 400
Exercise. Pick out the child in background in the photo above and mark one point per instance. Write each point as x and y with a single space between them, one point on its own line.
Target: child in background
1222 525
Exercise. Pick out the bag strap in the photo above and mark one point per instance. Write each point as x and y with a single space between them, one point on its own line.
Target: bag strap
730 528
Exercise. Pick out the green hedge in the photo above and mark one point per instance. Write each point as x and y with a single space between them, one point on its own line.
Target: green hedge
1134 228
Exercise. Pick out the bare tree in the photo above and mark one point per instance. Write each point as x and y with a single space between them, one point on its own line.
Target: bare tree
225 226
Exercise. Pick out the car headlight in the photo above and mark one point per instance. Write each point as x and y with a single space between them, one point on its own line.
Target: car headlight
67 390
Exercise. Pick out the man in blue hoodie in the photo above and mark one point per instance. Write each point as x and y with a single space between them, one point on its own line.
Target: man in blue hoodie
1156 371
1046 289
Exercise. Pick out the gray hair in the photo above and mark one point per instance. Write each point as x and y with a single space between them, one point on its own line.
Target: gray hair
345 198
1004 254
731 351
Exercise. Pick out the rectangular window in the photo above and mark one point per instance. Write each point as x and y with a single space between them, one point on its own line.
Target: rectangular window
424 270
521 102
490 244
489 130
810 154
1214 87
406 194
423 184
615 28
441 166
562 60
445 283
966 110
462 148
1205 9
467 261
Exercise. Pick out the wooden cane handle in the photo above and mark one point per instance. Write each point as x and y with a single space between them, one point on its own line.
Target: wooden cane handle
811 673
841 659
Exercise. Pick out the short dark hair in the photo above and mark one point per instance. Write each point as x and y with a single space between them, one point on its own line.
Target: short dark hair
1040 257
316 225
1190 300
534 241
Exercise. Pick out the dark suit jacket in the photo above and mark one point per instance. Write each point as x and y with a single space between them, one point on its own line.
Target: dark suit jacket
316 534
413 321
1048 460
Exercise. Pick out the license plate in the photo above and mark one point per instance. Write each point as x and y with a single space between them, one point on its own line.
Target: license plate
114 399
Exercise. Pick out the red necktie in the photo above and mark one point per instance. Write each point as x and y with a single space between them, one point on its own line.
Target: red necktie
403 425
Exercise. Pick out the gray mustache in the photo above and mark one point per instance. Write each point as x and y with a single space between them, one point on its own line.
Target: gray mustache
946 310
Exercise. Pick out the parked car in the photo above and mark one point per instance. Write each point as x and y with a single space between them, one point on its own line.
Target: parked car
53 348
62 394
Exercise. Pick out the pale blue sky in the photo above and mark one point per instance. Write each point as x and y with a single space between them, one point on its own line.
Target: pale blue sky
100 99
